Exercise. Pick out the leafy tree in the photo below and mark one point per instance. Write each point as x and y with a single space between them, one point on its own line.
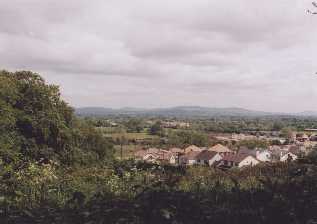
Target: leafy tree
134 125
156 128
254 143
287 132
277 126
36 123
182 138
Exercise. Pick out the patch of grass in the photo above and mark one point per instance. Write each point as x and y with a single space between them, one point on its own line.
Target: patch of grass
132 136
127 151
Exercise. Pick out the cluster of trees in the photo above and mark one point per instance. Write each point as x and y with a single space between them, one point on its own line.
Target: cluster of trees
183 138
156 129
134 125
35 124
253 144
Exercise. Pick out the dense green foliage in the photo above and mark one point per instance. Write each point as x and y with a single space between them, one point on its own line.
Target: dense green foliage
252 144
183 138
156 129
35 124
132 192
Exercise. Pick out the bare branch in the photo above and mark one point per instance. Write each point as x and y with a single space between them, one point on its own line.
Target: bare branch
312 12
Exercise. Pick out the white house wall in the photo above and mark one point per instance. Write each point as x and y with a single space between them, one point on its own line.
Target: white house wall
248 161
214 159
264 156
191 162
172 160
285 157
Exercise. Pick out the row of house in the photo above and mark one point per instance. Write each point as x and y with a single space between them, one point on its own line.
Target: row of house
219 155
243 157
156 155
176 155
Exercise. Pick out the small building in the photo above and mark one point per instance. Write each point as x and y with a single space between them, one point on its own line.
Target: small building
145 155
313 138
166 156
311 130
192 148
302 137
176 150
287 156
239 137
284 154
275 147
208 158
297 149
221 149
238 160
189 158
156 155
262 155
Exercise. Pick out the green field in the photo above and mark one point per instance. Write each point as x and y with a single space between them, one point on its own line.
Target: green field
131 136
127 151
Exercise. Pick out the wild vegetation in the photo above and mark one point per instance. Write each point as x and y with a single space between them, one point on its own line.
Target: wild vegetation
57 168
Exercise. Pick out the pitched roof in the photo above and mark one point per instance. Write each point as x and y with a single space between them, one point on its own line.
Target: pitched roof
237 158
206 155
285 153
302 135
164 155
192 148
160 154
191 155
219 148
176 150
295 149
153 150
274 147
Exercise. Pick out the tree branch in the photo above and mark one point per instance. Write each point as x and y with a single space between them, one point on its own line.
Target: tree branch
312 12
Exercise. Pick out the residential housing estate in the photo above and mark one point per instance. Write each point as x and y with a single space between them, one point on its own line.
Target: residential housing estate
220 155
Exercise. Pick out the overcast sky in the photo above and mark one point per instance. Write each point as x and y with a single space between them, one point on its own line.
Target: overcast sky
147 53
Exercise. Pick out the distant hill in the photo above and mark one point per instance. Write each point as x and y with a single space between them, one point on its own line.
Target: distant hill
307 114
181 111
185 111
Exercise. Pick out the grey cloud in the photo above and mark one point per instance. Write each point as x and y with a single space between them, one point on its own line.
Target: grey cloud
246 53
